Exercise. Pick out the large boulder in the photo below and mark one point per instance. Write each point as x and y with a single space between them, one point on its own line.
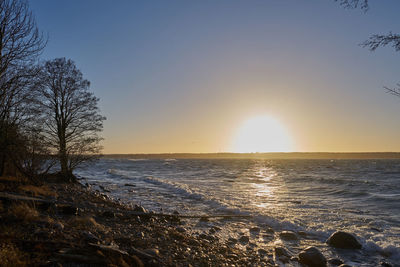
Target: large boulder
312 257
343 240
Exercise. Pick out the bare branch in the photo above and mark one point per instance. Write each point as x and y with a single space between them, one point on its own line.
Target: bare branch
378 40
363 4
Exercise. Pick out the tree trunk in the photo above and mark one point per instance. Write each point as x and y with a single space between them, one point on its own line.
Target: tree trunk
63 159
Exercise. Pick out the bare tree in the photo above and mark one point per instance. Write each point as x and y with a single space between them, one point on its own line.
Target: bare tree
71 118
20 45
377 40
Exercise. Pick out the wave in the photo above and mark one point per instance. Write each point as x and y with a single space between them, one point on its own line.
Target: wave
373 245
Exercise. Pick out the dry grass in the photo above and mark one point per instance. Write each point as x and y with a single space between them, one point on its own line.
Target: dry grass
86 223
11 256
37 190
22 211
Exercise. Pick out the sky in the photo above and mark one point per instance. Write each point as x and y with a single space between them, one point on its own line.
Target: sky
190 76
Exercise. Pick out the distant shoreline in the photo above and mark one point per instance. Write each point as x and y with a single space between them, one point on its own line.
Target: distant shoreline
271 155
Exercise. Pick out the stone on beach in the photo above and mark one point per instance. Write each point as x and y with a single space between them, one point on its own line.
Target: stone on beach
336 262
255 230
312 257
281 254
288 235
139 209
244 239
180 229
344 240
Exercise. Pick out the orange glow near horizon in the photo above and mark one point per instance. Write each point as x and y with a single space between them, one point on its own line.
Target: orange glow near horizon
262 134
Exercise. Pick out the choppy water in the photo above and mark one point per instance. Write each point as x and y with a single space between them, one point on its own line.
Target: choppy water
314 196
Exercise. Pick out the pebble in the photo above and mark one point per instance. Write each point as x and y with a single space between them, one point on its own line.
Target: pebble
255 229
153 252
244 239
336 262
280 251
139 209
288 235
232 240
262 252
269 230
59 226
180 229
385 264
203 219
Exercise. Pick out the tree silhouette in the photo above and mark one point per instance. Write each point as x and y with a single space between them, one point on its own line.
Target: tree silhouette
377 40
70 115
20 45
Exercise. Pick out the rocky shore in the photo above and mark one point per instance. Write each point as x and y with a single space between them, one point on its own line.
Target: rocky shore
58 224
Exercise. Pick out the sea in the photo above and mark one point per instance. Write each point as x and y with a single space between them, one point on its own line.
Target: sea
313 198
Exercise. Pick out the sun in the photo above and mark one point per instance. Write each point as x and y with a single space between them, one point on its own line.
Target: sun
262 134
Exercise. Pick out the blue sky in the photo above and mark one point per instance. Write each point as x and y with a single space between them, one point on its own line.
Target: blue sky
181 76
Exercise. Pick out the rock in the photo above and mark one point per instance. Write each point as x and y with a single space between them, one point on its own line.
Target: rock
288 235
280 251
140 235
113 252
343 240
336 262
281 254
344 265
59 226
262 252
269 230
130 185
211 231
302 233
104 189
203 219
139 209
255 230
244 239
152 251
312 257
232 240
175 212
385 264
180 229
